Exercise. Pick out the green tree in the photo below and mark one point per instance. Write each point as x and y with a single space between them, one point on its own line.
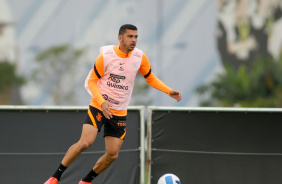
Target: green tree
56 71
8 81
257 86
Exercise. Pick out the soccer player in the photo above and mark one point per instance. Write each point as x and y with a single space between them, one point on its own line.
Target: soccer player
110 83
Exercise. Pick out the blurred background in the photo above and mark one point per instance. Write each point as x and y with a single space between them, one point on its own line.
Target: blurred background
216 53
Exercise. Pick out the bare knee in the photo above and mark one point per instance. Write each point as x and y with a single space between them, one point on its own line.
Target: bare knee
111 156
82 146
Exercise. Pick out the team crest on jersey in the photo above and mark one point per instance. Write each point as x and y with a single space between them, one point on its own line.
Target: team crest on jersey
121 68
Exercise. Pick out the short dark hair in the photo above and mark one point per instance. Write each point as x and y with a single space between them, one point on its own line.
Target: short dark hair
126 26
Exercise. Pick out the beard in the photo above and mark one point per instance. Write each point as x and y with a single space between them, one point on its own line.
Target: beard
129 47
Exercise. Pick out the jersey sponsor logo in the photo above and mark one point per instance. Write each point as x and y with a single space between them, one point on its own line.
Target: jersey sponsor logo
99 116
117 86
121 123
117 76
113 81
109 99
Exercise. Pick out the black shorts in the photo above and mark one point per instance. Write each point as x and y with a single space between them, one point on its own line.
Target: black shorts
115 127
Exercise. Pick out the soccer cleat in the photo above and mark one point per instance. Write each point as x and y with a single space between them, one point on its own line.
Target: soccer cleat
83 182
52 180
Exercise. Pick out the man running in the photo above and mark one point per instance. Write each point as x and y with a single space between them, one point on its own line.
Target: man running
110 83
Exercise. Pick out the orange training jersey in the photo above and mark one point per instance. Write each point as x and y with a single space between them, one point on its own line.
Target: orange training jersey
113 75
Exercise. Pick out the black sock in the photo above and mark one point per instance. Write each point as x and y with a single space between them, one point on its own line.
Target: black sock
59 172
90 176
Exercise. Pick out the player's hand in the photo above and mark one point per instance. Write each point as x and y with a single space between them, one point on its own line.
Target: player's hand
106 110
175 94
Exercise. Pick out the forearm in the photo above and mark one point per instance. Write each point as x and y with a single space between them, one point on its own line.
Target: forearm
158 84
96 92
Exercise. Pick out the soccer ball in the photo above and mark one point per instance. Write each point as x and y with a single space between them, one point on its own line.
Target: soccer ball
169 179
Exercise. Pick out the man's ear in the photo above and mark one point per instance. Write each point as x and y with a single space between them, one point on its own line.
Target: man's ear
119 37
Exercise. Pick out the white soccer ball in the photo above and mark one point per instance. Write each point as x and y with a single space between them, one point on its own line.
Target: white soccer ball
169 179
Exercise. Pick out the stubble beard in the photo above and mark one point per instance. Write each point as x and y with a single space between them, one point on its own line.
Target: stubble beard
127 47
